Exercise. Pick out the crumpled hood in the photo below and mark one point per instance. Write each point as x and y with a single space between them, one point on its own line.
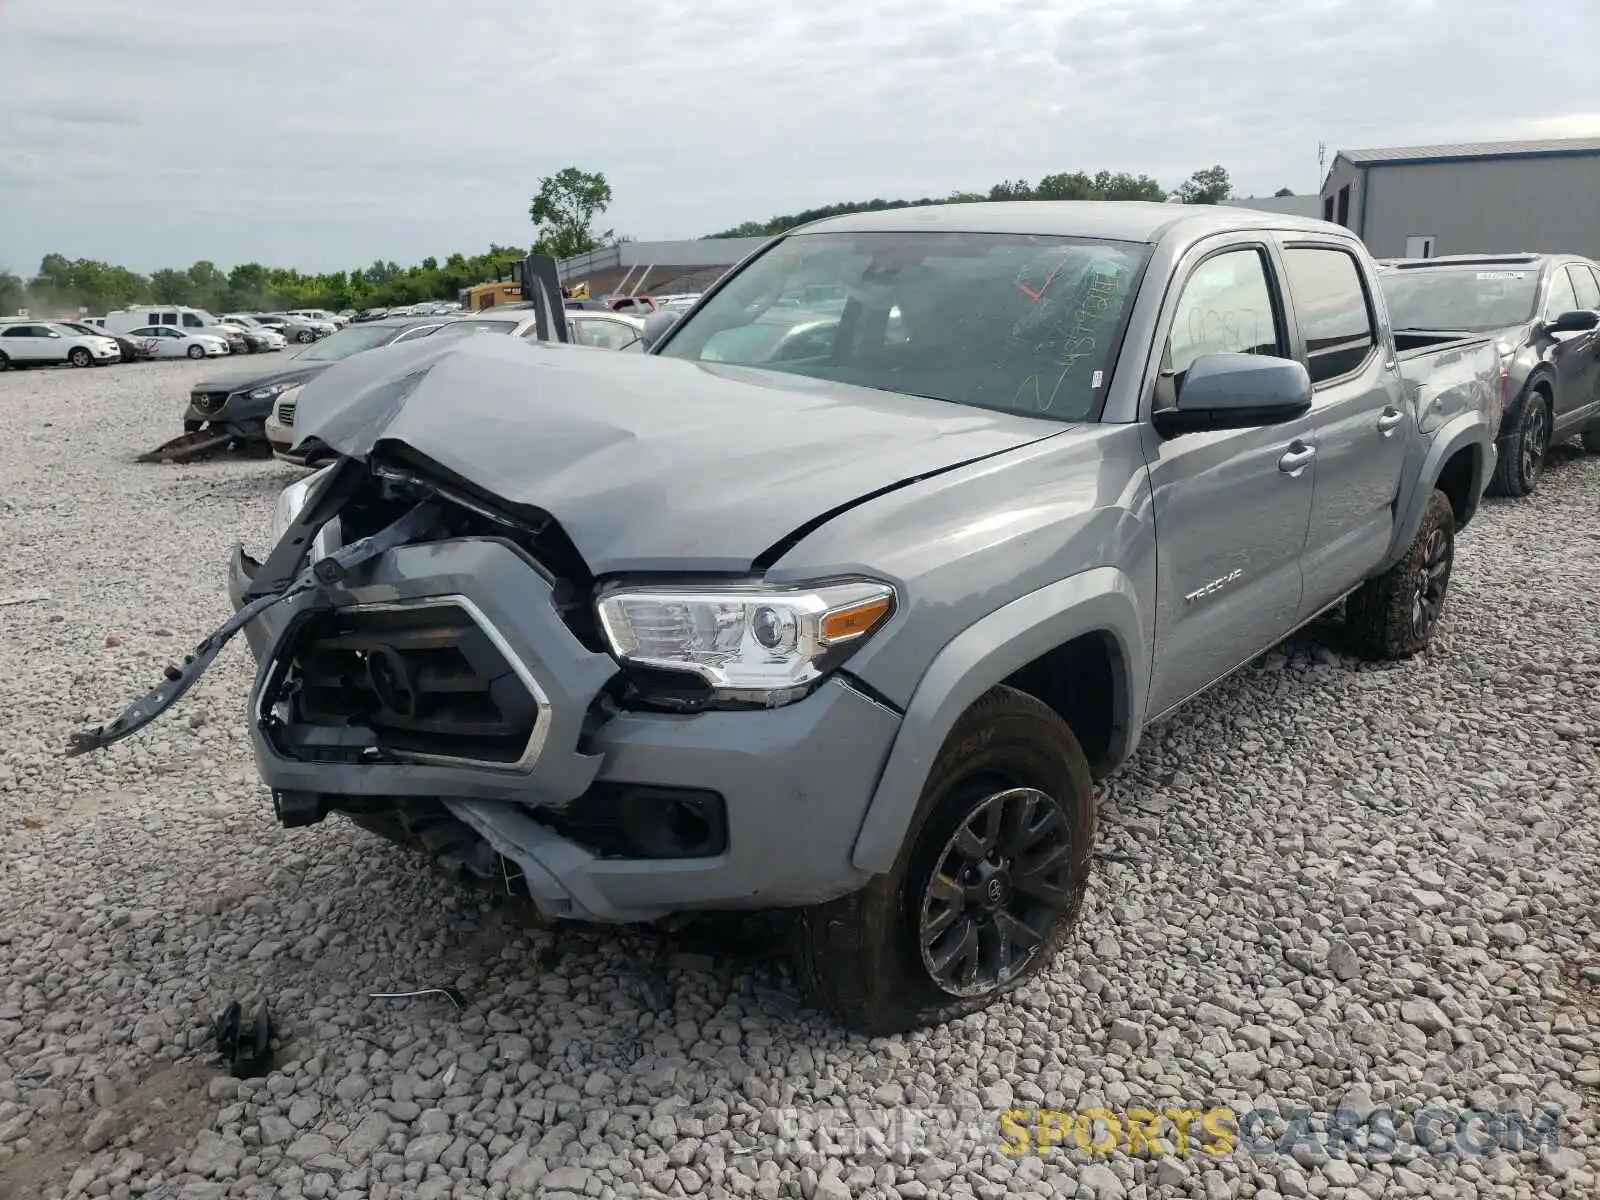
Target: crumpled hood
647 463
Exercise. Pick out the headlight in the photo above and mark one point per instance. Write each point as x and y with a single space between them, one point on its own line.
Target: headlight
755 646
271 390
292 502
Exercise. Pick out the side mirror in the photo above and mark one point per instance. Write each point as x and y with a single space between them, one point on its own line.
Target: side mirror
1237 391
656 326
1577 321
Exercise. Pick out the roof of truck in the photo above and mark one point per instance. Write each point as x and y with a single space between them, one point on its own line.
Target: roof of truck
1114 220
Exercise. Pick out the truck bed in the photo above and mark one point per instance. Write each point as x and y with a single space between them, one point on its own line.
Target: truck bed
1448 374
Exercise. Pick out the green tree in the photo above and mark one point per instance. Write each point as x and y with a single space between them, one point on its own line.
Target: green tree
565 209
1284 192
1208 186
1011 189
168 286
207 286
13 293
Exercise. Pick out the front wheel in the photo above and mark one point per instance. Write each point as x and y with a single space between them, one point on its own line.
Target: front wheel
986 888
1516 471
197 351
79 357
1394 615
305 335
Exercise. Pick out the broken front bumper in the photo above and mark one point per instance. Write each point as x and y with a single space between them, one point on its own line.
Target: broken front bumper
794 782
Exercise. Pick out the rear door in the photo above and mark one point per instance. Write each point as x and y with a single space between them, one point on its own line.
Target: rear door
1361 421
1231 506
1573 355
26 344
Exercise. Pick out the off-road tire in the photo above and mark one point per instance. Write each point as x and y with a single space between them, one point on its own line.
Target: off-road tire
79 357
1591 438
1380 617
859 956
1517 469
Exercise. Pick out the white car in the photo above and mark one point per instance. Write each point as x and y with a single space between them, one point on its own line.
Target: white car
40 343
165 341
318 314
322 327
606 330
270 338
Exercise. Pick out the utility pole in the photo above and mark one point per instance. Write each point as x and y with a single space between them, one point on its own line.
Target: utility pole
1322 154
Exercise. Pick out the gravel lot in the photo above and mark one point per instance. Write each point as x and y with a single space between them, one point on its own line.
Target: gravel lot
1323 887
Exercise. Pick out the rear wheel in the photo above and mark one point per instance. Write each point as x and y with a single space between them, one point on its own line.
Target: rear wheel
197 352
305 335
986 889
5 363
1522 453
1394 616
79 357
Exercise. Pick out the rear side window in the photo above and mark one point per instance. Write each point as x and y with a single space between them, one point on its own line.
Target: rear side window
1583 283
1330 301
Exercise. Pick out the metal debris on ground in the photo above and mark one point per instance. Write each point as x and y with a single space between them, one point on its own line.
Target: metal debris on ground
7 599
245 1044
454 995
187 447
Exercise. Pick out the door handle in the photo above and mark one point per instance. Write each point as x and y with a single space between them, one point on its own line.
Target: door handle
1390 420
1296 458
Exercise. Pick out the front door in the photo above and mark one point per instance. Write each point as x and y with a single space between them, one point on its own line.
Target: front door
1575 356
1231 507
1363 425
28 344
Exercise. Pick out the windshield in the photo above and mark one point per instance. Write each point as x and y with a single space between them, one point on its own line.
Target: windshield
1018 322
1469 299
347 342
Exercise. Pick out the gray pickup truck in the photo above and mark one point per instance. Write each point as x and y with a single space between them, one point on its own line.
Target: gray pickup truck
841 606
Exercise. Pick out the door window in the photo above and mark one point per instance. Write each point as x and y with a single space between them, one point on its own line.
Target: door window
191 321
1335 315
1226 305
608 335
18 331
1583 285
1562 297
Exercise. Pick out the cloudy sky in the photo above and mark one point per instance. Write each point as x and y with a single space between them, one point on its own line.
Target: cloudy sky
326 133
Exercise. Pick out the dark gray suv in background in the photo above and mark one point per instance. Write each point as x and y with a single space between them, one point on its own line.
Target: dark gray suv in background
1543 310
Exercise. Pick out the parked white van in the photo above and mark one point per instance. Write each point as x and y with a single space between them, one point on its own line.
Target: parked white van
190 320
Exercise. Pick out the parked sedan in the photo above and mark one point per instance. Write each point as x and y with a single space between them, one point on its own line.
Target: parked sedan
167 341
127 346
258 337
241 401
317 325
42 343
292 329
